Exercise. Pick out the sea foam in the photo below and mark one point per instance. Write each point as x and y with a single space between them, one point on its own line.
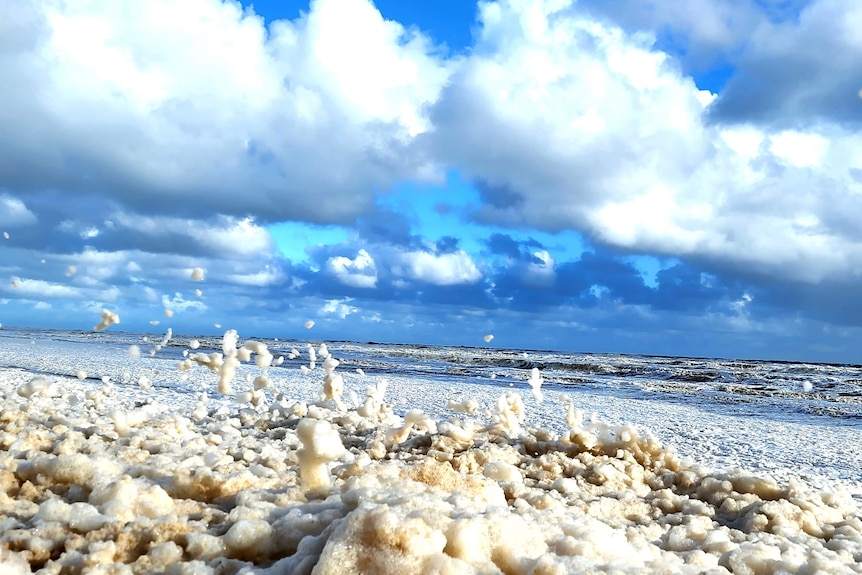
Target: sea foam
285 485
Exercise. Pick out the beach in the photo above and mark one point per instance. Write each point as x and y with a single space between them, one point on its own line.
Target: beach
124 454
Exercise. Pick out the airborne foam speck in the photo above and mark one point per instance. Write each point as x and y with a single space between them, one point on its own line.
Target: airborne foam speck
198 293
70 271
197 275
6 235
169 312
488 338
309 324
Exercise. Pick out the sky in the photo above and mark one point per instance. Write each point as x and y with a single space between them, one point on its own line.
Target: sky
673 177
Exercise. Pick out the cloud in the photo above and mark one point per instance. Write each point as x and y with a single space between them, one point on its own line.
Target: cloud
142 142
28 288
564 122
33 288
359 272
799 73
150 108
564 115
339 308
14 213
268 276
438 269
700 31
541 269
180 303
224 237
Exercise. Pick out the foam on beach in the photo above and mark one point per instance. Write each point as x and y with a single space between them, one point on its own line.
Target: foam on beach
91 484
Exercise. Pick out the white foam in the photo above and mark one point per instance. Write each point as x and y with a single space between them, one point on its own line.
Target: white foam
173 479
108 319
536 382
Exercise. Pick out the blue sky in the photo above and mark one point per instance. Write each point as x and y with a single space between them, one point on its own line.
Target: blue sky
660 177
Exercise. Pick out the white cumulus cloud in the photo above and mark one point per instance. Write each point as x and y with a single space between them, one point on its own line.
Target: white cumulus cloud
357 272
339 308
569 122
13 212
443 269
201 106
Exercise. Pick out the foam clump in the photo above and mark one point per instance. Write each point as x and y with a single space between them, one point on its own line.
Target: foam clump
509 413
321 445
37 386
197 275
469 406
226 364
414 418
333 383
535 381
108 319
